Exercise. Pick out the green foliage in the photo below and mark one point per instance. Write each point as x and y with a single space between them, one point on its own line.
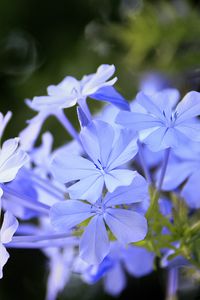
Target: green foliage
160 37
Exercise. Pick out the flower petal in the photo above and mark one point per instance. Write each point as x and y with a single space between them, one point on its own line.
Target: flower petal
65 215
66 167
94 244
99 79
135 192
118 177
95 139
127 226
116 274
189 107
4 256
9 227
124 149
109 94
89 188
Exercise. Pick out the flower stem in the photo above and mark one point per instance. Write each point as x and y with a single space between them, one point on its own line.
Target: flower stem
156 193
37 243
172 284
25 201
67 125
83 104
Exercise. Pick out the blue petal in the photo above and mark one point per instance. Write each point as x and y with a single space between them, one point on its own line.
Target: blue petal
135 192
138 261
118 177
127 226
163 138
137 121
83 119
29 135
68 214
149 103
95 139
176 174
9 227
67 167
94 244
115 280
109 94
190 129
159 102
124 149
12 158
89 188
191 191
189 107
93 82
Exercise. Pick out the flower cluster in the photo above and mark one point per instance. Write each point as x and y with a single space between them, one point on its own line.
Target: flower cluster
121 193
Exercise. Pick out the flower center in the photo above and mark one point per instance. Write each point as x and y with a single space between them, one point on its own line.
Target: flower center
170 121
98 208
99 166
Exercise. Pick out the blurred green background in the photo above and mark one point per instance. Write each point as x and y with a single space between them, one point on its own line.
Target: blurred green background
43 41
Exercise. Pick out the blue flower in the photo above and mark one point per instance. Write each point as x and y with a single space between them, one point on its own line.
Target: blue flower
126 225
71 91
135 260
106 152
159 123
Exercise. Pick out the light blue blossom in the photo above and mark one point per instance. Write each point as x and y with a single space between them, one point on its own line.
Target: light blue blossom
126 225
135 260
160 124
71 91
106 154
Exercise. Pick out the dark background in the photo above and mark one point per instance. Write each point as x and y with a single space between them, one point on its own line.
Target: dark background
43 41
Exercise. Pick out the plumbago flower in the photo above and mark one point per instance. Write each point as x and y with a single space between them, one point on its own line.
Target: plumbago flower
135 260
67 94
106 152
71 91
8 228
125 224
160 123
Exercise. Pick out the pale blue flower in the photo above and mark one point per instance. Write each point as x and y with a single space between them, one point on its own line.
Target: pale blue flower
162 125
135 260
126 225
71 91
106 154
